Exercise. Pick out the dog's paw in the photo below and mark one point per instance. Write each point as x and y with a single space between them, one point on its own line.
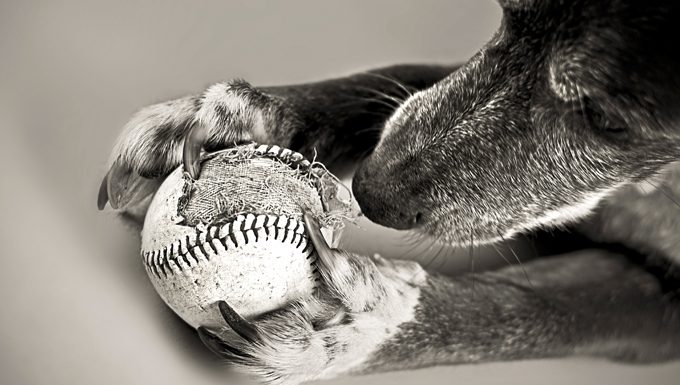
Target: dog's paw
359 306
152 143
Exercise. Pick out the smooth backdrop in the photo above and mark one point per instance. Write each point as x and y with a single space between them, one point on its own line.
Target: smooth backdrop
75 304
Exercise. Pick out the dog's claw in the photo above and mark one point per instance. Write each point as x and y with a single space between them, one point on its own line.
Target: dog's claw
193 144
314 230
123 187
103 196
210 340
237 323
218 346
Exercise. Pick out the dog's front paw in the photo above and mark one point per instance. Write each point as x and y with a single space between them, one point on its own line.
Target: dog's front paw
307 340
156 140
359 306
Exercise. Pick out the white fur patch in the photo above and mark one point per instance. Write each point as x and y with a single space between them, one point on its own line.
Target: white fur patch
572 212
381 323
137 144
221 97
392 289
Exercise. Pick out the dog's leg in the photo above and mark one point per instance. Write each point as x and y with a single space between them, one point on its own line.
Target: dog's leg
588 302
338 121
379 315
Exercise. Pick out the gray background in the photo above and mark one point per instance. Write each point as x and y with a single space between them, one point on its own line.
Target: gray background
76 306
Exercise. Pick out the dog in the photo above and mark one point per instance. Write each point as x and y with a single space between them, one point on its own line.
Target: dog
568 118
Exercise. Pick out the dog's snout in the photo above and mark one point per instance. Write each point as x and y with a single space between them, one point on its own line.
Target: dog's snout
384 204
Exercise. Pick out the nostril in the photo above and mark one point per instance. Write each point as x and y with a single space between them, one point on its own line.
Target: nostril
391 207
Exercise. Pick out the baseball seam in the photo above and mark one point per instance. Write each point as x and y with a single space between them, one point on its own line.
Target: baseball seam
293 159
242 230
289 156
184 254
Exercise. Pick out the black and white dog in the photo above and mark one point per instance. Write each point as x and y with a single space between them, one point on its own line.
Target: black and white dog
566 112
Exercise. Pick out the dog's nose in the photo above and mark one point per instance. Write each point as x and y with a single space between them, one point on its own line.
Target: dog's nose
382 204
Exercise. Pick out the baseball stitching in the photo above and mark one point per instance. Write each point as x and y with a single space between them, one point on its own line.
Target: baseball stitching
231 235
190 251
293 159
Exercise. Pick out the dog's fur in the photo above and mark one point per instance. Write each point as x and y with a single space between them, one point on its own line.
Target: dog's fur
572 108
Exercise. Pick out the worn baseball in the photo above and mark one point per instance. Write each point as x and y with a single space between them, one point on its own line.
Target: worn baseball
236 233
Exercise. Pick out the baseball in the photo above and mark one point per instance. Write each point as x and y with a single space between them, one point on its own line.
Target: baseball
236 233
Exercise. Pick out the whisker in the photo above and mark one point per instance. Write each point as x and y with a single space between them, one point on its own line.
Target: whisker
436 255
356 102
411 235
419 239
582 105
413 244
472 260
519 261
644 191
440 252
392 80
446 256
664 192
533 247
385 96
381 102
412 238
366 130
408 240
501 254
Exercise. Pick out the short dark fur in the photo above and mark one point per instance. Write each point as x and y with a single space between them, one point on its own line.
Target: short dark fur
569 103
561 103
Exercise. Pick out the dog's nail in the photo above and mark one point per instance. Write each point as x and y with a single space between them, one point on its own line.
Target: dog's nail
119 184
210 340
193 144
240 325
103 196
124 187
218 346
314 230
